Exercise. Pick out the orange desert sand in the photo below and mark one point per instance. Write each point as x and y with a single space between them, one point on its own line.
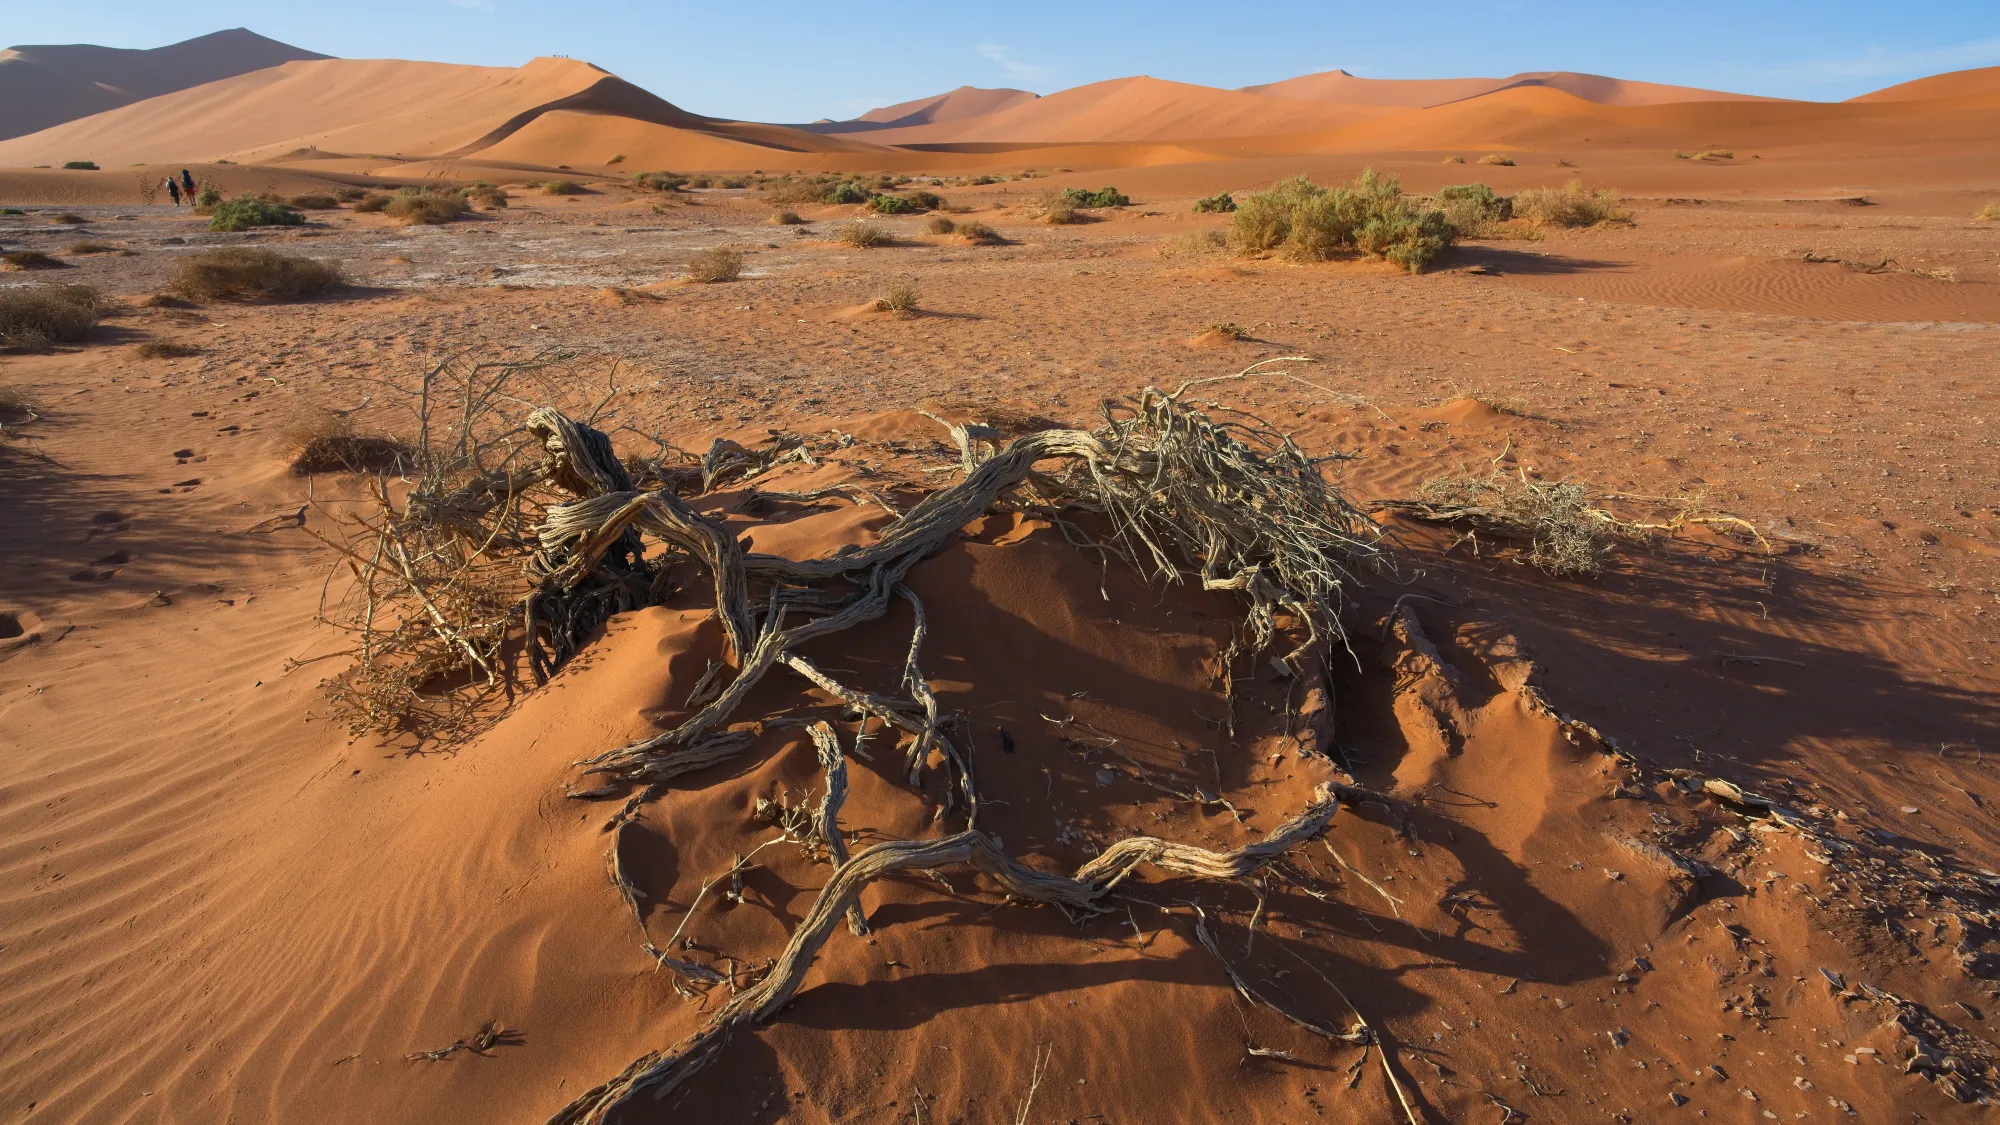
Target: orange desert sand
1708 835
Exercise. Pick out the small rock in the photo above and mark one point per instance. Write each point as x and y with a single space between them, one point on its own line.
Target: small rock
1909 810
1677 1100
1748 1093
1802 1082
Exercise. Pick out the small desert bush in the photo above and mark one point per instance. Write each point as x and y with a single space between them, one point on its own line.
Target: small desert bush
321 441
489 196
1226 329
717 263
349 194
314 201
1497 159
562 187
1990 213
892 205
978 233
1194 244
1057 209
1454 160
245 212
249 273
1102 197
208 199
93 246
846 191
1472 208
902 299
48 314
1565 534
80 165
939 224
660 181
785 219
29 260
373 201
1220 202
928 200
167 349
431 207
69 219
862 236
1307 222
1571 205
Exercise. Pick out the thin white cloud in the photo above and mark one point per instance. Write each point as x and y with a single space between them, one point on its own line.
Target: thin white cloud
1875 63
1003 57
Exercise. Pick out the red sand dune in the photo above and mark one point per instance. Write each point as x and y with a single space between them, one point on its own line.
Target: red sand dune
1956 84
956 105
1343 88
42 86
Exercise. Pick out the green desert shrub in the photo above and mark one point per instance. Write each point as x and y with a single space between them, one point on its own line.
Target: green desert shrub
561 187
1102 197
247 273
1220 202
660 181
80 165
1471 208
892 205
844 191
314 201
489 196
208 199
48 314
247 211
928 200
1571 205
717 263
1307 222
429 207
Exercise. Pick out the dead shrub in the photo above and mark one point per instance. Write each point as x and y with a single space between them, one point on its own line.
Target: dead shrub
862 236
1193 244
1990 213
938 224
93 246
47 315
1497 159
717 263
247 273
785 219
30 260
979 234
1566 534
903 299
1572 205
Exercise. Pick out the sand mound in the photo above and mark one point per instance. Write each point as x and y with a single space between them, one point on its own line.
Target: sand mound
1824 290
1340 87
48 85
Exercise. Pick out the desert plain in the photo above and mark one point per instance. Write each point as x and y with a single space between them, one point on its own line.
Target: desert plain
1698 826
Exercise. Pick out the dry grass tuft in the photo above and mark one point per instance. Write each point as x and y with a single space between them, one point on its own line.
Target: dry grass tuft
1454 160
939 224
68 219
315 201
46 315
1497 159
903 299
167 349
1227 329
1566 534
1056 209
372 201
433 208
29 260
247 274
979 234
862 236
1572 205
93 246
562 187
785 219
1193 244
324 441
717 263
1990 213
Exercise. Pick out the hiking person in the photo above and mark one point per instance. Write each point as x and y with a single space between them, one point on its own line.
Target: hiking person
174 190
187 186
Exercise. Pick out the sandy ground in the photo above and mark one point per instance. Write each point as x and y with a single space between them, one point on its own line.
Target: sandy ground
219 907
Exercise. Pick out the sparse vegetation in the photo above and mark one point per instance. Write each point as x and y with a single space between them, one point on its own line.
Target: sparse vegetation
892 205
249 273
489 196
1990 213
1307 222
660 181
561 187
1223 328
314 201
862 236
1220 202
1102 197
785 219
1454 160
1566 534
93 246
1706 154
1572 205
717 263
412 206
68 219
1194 244
618 159
167 349
80 165
208 199
1472 209
47 315
928 200
1497 159
978 233
903 299
349 194
1056 209
246 211
29 260
939 224
372 202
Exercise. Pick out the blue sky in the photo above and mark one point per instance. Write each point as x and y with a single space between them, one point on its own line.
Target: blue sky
781 61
